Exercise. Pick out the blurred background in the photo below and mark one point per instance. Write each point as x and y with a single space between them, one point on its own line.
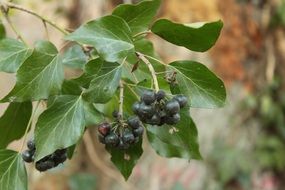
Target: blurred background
243 144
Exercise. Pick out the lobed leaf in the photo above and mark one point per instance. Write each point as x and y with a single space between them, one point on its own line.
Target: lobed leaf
196 37
74 57
40 76
13 174
195 80
176 141
138 16
104 85
125 160
60 126
12 54
110 35
14 121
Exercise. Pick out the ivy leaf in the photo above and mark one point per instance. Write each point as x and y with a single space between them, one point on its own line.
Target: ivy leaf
2 30
40 76
138 16
13 174
195 80
196 37
110 35
74 57
12 54
179 141
14 121
104 85
92 115
125 160
60 126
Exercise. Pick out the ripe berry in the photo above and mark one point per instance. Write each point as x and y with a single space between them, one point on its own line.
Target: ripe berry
27 156
155 120
181 99
172 107
41 166
115 114
146 110
138 132
160 95
104 128
31 144
122 145
58 159
172 120
148 97
128 137
136 107
134 122
112 139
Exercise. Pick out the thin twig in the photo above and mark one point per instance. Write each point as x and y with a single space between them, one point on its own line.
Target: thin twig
15 30
17 7
121 101
46 29
97 162
29 125
151 70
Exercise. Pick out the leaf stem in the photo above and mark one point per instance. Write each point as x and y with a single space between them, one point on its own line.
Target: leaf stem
29 125
142 33
12 26
121 101
151 69
17 7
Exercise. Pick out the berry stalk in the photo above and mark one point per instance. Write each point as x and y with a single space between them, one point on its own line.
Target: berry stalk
151 70
121 101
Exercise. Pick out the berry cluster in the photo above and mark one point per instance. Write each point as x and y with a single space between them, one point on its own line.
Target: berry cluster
46 163
155 109
121 134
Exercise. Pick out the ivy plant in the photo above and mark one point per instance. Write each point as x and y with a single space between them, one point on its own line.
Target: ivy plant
125 90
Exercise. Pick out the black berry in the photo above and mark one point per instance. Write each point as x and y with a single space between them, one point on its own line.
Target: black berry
122 145
146 110
134 122
136 107
138 132
181 99
155 120
31 144
128 137
148 97
115 114
172 120
27 156
172 107
112 139
160 95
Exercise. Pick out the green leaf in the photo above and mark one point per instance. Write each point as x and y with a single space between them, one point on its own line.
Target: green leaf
138 16
110 35
2 30
125 160
196 37
204 88
13 174
176 141
60 126
104 85
12 54
14 121
74 57
40 76
92 115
